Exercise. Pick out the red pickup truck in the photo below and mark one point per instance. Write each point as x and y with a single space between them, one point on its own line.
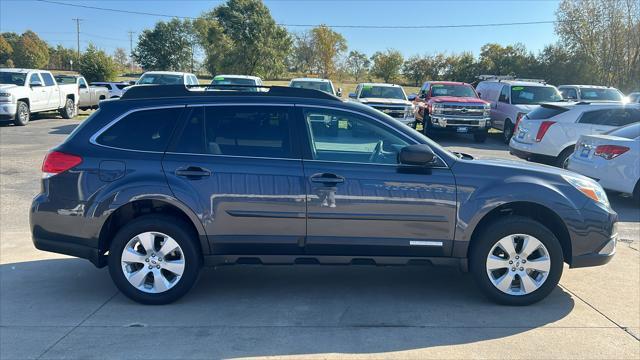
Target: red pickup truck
447 106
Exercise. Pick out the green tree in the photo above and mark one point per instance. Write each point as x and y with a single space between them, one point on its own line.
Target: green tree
96 65
168 46
6 50
121 58
60 57
357 64
328 46
416 69
387 64
606 34
30 51
241 37
462 67
303 58
507 60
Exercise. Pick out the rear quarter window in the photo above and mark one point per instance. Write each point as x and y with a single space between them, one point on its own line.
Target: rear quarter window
143 130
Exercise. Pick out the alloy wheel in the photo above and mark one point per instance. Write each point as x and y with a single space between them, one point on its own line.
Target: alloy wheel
518 264
152 262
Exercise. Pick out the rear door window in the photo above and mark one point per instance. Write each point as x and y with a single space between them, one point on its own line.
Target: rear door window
593 117
48 79
569 93
143 130
253 131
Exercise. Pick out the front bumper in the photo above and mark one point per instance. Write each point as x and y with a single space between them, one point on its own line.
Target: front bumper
443 123
601 257
8 110
594 242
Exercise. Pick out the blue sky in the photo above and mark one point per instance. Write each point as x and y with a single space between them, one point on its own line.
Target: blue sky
109 30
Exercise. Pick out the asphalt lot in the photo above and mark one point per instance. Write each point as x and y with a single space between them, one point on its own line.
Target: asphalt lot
52 306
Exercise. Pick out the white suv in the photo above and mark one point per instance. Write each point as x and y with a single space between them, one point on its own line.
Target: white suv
512 99
551 131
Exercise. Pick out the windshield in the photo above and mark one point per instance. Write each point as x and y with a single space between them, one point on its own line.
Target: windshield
385 92
534 95
452 90
600 94
161 79
14 78
65 79
315 85
233 81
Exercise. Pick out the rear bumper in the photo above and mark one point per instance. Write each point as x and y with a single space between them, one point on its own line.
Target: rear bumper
71 249
523 151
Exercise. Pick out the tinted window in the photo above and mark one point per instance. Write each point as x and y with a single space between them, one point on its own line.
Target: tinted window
82 83
221 80
545 112
161 79
611 117
600 94
65 79
121 86
504 94
384 92
568 93
629 132
147 130
343 136
534 94
10 77
316 85
48 79
260 131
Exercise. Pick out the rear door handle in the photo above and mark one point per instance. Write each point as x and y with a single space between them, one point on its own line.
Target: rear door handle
326 178
193 172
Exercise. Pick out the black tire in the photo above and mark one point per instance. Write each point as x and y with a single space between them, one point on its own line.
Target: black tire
69 109
426 124
23 114
636 193
504 227
480 137
181 233
507 131
563 158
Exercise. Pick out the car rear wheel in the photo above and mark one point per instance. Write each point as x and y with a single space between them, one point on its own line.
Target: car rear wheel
69 109
507 131
516 261
23 114
154 259
636 193
562 161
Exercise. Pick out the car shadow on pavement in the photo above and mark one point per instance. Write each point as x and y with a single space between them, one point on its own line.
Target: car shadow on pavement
269 310
63 129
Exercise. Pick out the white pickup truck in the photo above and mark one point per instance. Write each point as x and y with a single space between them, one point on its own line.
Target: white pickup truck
27 91
90 96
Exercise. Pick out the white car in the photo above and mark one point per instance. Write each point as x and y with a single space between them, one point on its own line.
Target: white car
246 82
27 91
388 98
316 84
115 88
512 99
551 131
590 93
165 78
612 159
634 97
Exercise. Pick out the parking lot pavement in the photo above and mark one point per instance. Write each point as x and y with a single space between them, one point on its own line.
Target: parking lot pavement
53 306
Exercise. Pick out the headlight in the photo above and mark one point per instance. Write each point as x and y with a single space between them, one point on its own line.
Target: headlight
487 110
437 108
589 188
5 97
410 111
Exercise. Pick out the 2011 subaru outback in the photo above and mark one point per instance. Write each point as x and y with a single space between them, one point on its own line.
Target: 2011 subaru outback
167 179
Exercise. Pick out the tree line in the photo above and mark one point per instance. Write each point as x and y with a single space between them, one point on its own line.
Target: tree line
599 43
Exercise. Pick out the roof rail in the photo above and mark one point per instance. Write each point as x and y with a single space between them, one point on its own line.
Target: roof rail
541 81
153 91
495 77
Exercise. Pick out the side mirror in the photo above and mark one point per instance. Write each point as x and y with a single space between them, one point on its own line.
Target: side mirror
339 92
417 154
352 95
35 84
412 97
479 95
131 82
83 86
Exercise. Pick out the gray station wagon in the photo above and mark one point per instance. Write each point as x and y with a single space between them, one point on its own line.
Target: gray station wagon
167 179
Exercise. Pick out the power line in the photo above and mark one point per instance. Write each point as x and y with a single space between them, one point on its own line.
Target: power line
314 25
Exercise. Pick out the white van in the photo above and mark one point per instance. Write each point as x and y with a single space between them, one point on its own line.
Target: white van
512 99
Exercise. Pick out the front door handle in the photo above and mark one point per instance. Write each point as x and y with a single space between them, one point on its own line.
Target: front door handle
326 178
193 172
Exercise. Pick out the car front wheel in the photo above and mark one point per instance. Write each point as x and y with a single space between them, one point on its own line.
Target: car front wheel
516 261
154 259
23 114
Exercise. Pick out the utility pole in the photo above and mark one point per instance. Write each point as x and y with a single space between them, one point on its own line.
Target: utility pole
131 50
77 20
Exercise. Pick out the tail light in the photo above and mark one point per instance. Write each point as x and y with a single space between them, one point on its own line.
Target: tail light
544 127
610 151
57 162
518 118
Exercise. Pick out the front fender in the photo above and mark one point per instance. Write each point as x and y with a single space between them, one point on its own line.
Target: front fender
475 202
